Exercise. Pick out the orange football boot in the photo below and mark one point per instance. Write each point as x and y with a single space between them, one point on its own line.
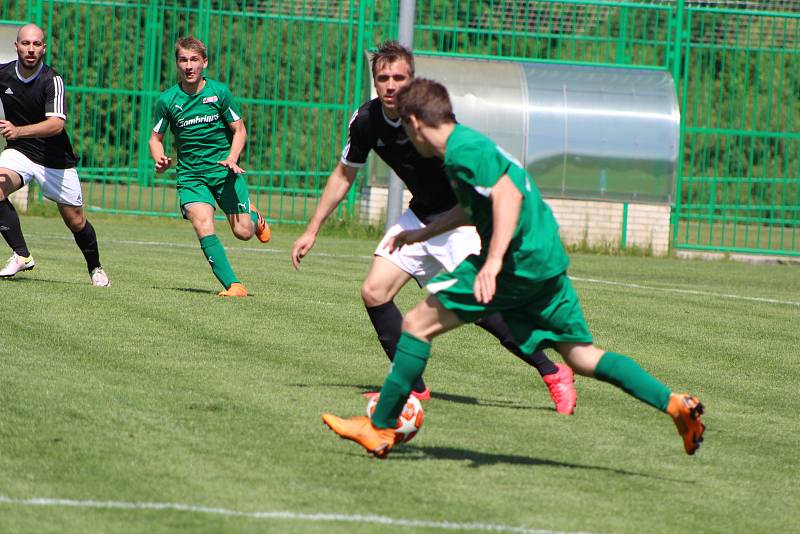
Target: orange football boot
263 233
236 290
686 411
377 441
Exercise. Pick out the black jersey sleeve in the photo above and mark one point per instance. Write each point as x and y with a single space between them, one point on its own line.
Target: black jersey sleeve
54 98
357 148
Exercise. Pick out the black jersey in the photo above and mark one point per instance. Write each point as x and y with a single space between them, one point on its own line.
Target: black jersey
371 129
32 100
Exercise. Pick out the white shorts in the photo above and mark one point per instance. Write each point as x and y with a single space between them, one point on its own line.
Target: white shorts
424 260
59 185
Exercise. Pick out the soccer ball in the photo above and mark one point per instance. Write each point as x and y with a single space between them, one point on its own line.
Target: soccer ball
409 421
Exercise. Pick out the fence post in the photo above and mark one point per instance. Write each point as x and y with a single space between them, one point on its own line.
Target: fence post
150 70
677 49
679 75
36 12
356 95
405 34
622 43
204 20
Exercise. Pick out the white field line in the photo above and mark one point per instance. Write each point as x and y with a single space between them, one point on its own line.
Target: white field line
291 516
694 292
685 291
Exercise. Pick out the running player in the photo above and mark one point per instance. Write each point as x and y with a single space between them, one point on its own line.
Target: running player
520 273
209 136
39 149
376 126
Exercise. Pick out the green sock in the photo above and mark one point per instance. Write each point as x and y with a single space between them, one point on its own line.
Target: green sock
215 254
254 217
410 360
626 374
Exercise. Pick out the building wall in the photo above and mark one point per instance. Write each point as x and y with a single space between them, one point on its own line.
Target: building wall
595 223
601 223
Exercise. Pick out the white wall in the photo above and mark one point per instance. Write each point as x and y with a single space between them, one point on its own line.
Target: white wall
593 222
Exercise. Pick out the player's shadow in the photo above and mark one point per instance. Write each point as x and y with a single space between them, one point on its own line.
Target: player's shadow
190 290
480 459
495 403
447 397
39 281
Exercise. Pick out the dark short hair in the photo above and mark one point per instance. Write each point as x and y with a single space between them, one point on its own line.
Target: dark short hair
190 43
427 100
389 52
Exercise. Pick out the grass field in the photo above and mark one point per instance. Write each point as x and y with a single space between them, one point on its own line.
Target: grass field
155 406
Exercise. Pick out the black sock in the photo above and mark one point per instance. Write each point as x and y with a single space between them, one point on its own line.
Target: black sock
86 240
11 229
495 325
388 323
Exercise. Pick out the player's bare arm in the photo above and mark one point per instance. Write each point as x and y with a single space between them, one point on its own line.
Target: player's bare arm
449 220
339 183
47 128
506 205
156 145
237 145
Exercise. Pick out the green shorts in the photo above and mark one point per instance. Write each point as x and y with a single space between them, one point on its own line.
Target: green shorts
225 188
539 314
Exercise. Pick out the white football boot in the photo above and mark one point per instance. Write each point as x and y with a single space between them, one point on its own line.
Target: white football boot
17 264
100 278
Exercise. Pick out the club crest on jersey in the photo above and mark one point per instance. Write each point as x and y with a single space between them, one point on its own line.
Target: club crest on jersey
210 99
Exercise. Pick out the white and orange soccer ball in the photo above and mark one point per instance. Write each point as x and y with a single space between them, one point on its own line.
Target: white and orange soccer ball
410 420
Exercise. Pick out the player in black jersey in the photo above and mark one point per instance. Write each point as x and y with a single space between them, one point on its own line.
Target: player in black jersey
376 126
39 149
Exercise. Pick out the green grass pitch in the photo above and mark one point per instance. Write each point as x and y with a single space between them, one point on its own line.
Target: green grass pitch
157 391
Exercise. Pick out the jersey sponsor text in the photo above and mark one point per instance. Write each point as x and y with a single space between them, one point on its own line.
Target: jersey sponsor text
197 120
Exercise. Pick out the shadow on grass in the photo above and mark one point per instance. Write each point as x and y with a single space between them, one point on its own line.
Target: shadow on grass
447 397
480 459
190 290
26 280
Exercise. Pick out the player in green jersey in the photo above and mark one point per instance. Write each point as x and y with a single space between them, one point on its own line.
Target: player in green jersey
520 273
209 136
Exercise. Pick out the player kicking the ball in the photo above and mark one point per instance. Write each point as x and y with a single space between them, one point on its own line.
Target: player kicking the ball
519 273
209 135
376 126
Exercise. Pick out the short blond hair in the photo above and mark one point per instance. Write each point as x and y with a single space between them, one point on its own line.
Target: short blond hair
190 43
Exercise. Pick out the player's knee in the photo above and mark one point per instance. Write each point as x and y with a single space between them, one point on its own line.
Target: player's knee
373 294
73 219
367 295
6 186
413 323
583 358
75 225
243 233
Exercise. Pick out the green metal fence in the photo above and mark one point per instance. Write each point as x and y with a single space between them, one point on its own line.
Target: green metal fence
739 179
738 76
298 69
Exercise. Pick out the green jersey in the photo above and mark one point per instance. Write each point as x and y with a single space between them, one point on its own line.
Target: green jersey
200 125
474 165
